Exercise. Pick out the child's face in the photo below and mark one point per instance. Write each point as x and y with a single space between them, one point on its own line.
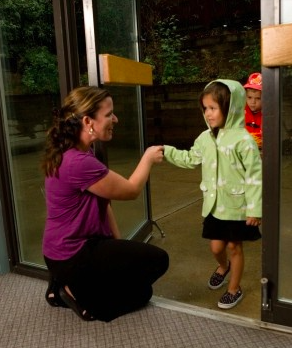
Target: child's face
254 99
212 112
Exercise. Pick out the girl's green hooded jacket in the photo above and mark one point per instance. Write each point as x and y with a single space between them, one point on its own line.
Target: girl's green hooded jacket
231 164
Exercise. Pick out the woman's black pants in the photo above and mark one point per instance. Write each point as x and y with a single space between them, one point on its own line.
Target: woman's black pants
111 277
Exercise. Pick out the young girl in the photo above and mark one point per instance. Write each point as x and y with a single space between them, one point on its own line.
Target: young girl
231 182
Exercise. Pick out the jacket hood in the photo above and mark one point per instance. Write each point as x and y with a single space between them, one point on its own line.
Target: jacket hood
235 117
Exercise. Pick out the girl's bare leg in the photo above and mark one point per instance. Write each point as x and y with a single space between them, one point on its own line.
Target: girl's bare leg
237 266
218 248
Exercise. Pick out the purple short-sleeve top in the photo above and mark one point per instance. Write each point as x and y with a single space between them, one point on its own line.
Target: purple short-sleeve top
74 214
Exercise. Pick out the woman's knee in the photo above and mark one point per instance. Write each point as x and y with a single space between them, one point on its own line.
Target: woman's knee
155 256
163 260
157 264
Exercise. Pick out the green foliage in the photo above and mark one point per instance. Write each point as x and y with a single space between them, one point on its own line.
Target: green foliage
249 58
237 65
172 64
216 52
27 27
26 24
167 56
115 25
40 73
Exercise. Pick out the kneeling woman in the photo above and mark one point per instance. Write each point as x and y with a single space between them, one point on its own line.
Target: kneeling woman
93 271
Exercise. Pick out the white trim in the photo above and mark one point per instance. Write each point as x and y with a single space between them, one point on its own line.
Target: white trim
91 52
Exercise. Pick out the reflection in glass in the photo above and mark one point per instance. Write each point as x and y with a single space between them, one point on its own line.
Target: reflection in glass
118 36
285 244
286 11
30 79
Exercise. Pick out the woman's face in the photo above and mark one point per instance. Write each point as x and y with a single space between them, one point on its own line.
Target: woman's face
105 119
212 112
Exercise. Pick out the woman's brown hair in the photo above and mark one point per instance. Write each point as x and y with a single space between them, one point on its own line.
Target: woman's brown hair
67 124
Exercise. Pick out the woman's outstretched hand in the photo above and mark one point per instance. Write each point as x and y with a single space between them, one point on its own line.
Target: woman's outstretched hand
155 153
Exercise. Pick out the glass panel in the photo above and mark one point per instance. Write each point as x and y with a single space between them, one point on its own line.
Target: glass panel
83 69
118 36
30 78
285 289
286 11
285 243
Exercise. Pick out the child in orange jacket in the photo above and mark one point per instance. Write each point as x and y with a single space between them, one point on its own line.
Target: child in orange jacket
253 108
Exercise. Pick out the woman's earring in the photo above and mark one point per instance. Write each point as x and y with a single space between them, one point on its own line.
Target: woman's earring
90 131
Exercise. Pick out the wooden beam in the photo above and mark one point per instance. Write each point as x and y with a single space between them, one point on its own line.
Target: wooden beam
121 71
276 44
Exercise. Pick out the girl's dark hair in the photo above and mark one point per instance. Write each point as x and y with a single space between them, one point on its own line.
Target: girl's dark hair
220 93
67 124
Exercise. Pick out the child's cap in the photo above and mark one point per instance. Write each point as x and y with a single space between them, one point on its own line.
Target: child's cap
254 81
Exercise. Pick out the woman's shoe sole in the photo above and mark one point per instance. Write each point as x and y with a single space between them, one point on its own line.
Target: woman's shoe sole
71 303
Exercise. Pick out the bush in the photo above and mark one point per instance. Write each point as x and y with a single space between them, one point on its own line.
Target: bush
40 72
170 61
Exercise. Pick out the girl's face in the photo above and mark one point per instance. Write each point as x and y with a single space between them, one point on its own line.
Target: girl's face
212 112
104 121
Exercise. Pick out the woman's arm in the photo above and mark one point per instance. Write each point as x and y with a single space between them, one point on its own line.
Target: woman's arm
115 186
113 222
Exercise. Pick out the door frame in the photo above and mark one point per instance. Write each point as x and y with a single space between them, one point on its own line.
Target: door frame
272 310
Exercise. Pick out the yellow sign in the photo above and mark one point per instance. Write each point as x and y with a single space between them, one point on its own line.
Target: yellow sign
121 71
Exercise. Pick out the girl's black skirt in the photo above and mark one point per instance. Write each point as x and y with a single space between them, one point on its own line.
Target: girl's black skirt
229 230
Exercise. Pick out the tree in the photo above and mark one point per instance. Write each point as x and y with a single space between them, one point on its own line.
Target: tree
208 40
169 58
27 28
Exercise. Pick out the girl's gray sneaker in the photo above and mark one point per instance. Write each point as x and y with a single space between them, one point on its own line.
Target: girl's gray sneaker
229 300
217 279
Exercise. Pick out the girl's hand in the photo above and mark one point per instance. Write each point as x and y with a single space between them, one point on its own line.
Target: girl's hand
253 221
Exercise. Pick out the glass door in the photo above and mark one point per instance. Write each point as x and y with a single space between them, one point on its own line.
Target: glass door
277 160
29 91
43 56
111 28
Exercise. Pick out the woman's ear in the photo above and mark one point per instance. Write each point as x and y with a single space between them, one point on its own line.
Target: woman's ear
88 124
86 120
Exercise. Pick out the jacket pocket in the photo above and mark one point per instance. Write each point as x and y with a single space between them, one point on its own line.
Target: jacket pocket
234 196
